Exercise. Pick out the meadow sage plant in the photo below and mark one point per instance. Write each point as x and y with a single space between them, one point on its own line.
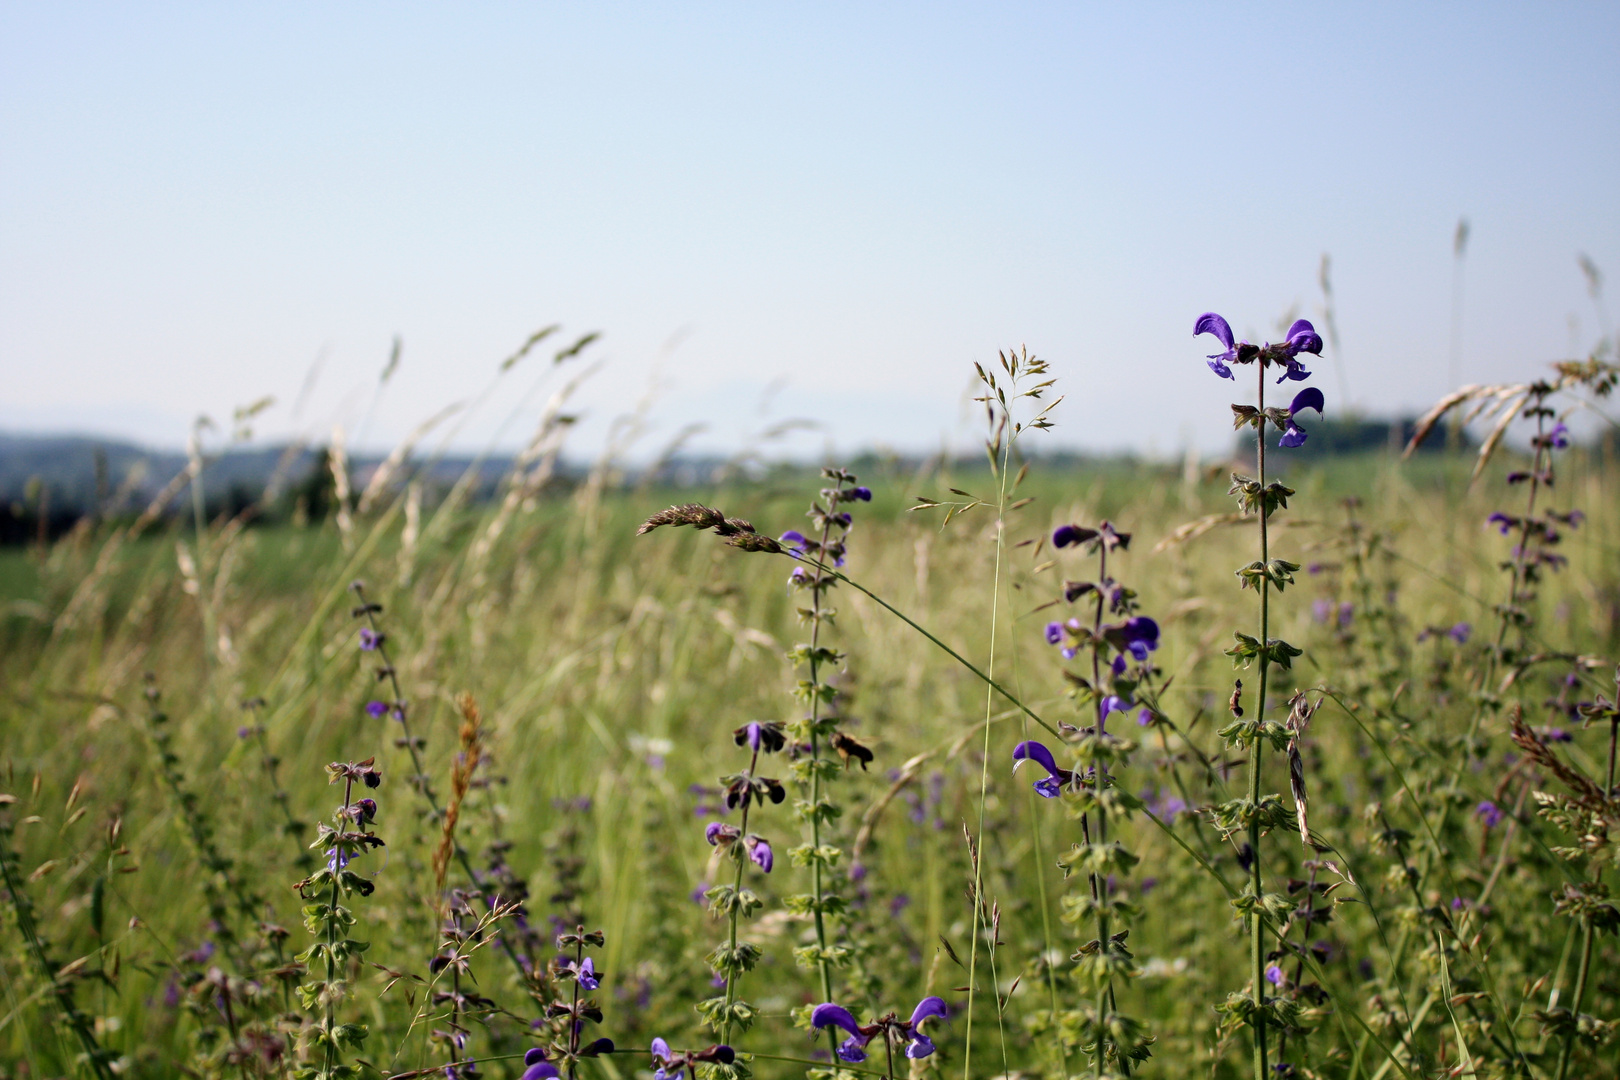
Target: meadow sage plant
1254 816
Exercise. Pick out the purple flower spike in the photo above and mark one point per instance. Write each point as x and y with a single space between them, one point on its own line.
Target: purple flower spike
762 855
1052 783
1054 633
1211 323
1308 398
376 709
1489 814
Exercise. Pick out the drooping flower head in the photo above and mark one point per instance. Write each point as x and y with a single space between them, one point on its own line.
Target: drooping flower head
1302 338
852 1049
759 850
1211 323
1308 398
1052 784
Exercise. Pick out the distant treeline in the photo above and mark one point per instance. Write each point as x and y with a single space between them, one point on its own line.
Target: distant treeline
48 483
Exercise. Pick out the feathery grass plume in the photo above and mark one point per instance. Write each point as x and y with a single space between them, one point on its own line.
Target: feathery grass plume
471 738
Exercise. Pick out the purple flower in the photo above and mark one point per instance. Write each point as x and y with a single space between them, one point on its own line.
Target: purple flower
852 1049
928 1008
797 539
243 732
1274 975
760 852
1321 609
1050 785
718 832
586 975
377 709
1111 703
1489 814
898 904
862 493
1141 637
1308 398
1502 521
1302 338
369 639
1145 717
1069 535
1211 323
1459 633
751 734
1558 437
538 1067
1054 633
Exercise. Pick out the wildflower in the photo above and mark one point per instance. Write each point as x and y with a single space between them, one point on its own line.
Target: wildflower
1489 814
1504 523
1052 784
667 1064
376 709
1558 437
584 973
853 1049
1141 636
1302 338
760 735
1211 323
369 639
1054 633
1459 633
538 1067
1274 975
1308 398
759 850
719 834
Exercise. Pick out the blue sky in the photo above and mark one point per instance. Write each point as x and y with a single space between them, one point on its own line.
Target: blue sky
776 211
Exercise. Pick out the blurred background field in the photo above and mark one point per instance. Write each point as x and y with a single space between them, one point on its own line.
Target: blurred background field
611 669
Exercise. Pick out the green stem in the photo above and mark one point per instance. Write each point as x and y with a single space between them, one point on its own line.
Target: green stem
1257 946
1586 927
736 909
816 884
332 926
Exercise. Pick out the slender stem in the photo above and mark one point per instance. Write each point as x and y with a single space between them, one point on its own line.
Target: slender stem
1258 947
736 892
1585 967
1099 779
816 884
573 1012
338 858
984 768
888 1049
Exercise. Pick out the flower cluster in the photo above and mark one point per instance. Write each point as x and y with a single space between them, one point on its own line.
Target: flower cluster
1302 338
907 1033
569 1013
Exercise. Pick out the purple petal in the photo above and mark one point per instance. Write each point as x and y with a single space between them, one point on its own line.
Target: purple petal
1302 337
660 1049
763 856
1054 633
1211 323
1036 752
926 1008
794 537
1460 632
711 833
852 1049
543 1070
1048 787
1065 536
587 975
863 493
1308 398
1218 366
920 1046
1294 436
829 1013
753 731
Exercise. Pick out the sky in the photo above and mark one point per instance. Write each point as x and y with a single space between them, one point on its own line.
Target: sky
780 212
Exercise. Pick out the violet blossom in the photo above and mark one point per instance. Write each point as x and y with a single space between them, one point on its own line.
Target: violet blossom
1308 398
